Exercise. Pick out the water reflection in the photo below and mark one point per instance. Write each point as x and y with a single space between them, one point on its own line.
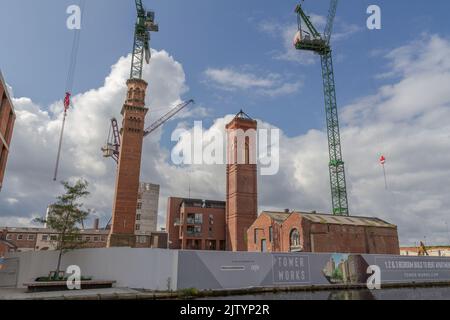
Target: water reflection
432 293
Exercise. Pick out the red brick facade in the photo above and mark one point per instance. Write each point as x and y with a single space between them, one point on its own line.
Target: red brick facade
7 119
276 232
241 188
128 170
196 224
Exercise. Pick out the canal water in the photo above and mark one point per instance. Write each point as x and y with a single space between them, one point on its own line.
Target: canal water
433 293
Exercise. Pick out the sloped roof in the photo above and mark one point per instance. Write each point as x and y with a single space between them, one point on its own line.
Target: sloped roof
332 219
278 216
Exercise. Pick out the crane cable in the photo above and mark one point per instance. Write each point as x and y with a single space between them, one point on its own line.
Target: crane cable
69 85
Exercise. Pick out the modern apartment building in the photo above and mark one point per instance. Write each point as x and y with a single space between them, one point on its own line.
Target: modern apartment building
195 224
7 118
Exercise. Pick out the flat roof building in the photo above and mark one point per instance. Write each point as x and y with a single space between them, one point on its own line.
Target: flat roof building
7 119
195 224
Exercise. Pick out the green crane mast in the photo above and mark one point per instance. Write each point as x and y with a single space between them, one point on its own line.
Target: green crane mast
141 48
312 40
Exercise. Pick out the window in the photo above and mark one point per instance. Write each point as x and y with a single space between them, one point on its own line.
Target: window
198 218
294 240
142 239
9 236
255 235
211 219
45 237
103 239
53 237
96 239
263 245
31 237
138 217
270 234
139 205
138 227
20 237
88 238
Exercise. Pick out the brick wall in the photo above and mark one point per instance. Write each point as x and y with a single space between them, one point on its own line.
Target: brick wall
7 119
323 237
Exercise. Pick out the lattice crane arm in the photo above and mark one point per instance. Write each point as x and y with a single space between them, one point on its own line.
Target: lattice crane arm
167 117
112 147
330 21
302 16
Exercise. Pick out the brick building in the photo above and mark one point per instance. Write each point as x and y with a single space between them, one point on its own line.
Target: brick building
241 188
313 232
195 224
6 246
7 119
42 239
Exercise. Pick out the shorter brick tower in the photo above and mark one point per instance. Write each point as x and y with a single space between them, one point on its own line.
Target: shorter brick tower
242 196
128 170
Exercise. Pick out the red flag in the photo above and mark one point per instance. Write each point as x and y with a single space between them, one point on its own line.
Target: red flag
67 101
382 160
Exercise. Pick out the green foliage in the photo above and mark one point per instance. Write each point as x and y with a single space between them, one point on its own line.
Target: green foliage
188 292
66 215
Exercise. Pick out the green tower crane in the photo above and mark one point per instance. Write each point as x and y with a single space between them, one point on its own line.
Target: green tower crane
141 49
311 40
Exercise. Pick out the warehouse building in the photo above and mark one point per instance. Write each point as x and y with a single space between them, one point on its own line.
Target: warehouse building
313 232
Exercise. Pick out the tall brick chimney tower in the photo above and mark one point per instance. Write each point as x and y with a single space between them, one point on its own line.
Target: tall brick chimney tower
128 169
242 197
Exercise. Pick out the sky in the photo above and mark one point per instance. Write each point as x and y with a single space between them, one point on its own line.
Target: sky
392 92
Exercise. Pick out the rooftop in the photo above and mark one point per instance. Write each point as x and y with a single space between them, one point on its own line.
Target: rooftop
47 230
331 219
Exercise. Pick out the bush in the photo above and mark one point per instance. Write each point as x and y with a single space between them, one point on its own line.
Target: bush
189 292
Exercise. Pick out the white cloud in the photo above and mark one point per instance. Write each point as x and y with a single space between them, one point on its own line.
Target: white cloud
407 121
269 84
35 138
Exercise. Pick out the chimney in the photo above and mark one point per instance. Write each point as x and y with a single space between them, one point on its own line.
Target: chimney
96 223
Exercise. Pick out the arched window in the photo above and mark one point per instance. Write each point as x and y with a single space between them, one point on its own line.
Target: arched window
294 240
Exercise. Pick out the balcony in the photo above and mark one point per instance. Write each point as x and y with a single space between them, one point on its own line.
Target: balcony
191 234
194 221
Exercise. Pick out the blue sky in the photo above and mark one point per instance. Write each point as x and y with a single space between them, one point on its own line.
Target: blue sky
392 91
205 34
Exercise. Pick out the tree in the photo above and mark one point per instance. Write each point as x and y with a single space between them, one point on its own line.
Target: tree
65 216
